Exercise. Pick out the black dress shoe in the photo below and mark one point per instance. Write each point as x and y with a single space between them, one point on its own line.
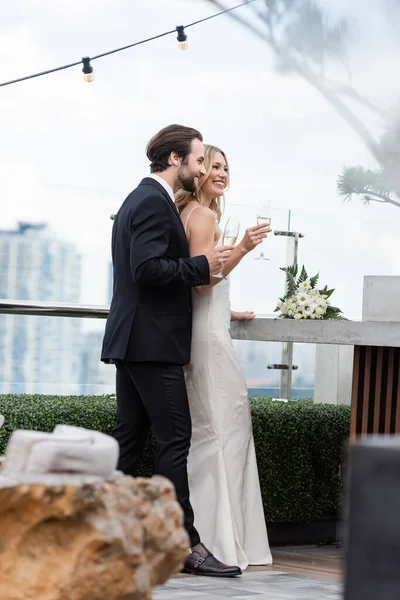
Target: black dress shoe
202 562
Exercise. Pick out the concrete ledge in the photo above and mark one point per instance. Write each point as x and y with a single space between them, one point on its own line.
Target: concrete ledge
348 333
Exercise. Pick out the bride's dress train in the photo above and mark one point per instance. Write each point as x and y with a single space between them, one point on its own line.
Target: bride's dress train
223 477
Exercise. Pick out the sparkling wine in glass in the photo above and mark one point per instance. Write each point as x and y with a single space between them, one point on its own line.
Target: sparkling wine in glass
263 218
229 238
231 232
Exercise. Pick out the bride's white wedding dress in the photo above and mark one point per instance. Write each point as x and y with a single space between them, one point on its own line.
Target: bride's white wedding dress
223 476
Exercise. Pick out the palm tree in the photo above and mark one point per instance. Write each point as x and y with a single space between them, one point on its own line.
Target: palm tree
369 185
381 185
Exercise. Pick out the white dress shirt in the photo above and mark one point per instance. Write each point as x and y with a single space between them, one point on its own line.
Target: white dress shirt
165 185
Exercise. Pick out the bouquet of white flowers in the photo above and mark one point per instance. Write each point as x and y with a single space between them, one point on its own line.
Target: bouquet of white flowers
303 300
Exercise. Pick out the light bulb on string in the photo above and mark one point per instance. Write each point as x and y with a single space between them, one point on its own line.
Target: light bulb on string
182 38
87 69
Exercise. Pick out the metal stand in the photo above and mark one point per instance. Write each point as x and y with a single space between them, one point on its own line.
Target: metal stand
287 365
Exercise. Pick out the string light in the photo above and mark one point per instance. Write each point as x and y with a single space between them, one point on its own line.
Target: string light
182 38
87 67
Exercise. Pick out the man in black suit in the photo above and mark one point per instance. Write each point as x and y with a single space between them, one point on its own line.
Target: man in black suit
148 330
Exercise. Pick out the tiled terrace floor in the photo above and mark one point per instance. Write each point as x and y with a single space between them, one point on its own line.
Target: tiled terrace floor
306 573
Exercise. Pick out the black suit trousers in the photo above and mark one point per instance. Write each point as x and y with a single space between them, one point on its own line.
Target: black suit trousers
153 395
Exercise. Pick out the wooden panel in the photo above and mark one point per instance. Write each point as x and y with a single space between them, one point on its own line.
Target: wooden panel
378 390
375 405
355 390
366 388
389 391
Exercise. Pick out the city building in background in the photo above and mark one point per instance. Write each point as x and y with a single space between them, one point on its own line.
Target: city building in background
39 354
52 355
96 378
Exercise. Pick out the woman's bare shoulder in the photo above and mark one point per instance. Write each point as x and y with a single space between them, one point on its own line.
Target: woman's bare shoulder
203 215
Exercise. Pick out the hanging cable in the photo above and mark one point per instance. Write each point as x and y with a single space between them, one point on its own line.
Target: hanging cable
182 44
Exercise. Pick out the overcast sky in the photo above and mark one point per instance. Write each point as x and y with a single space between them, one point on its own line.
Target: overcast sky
71 151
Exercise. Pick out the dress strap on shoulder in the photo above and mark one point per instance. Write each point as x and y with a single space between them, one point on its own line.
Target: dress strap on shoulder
188 217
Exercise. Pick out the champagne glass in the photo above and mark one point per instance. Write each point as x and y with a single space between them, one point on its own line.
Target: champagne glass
229 238
263 218
231 232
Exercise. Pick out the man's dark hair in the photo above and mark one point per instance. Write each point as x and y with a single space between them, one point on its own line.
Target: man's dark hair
174 138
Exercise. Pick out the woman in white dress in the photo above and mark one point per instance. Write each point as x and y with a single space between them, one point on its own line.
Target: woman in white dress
223 476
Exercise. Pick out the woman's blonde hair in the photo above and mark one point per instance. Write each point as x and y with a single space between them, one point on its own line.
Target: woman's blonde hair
183 198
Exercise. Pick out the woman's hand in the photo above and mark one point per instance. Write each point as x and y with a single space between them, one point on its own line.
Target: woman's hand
254 236
242 316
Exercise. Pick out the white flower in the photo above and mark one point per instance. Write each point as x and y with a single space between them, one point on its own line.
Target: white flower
298 316
302 299
305 286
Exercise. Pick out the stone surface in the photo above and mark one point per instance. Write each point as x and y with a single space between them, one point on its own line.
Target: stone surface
333 374
381 298
72 537
264 585
349 333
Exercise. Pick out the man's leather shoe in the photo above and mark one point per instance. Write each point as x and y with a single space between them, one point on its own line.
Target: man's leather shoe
202 562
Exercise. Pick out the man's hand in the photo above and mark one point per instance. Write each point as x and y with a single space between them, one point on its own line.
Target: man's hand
217 257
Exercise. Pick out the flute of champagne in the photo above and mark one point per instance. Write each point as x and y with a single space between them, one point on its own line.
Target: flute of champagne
229 238
263 218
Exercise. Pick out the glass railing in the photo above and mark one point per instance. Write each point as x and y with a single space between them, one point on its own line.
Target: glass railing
68 261
61 356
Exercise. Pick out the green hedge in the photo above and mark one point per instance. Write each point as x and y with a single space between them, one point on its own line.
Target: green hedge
300 446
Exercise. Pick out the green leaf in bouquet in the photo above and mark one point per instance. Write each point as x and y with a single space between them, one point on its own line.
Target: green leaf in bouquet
291 270
314 280
325 292
303 275
334 313
291 285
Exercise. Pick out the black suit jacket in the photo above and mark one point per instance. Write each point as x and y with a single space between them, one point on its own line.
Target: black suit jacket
150 312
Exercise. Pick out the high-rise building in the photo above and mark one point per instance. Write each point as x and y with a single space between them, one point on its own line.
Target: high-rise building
38 354
97 378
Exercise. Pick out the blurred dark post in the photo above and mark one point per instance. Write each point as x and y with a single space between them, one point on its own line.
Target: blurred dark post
373 520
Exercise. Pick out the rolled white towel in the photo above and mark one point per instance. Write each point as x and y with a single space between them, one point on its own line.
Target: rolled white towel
66 450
